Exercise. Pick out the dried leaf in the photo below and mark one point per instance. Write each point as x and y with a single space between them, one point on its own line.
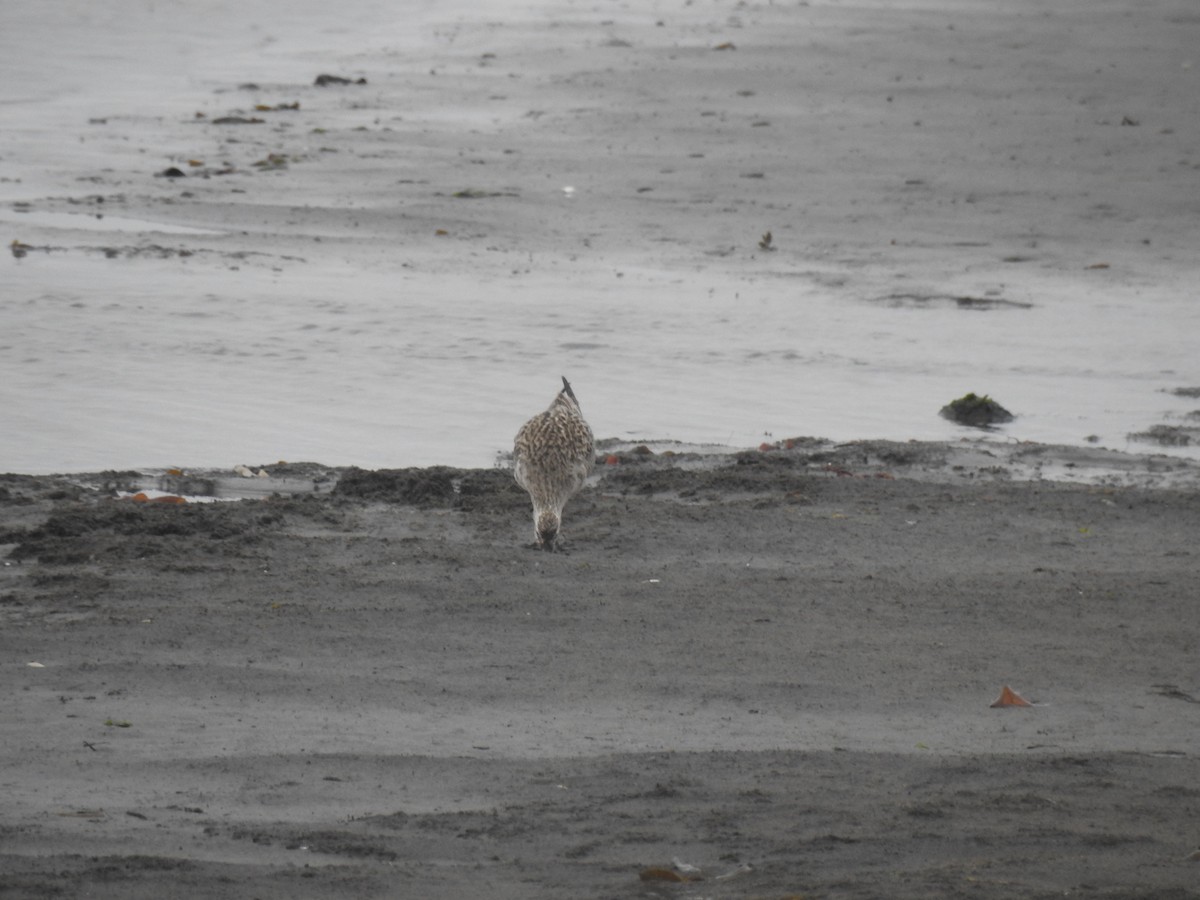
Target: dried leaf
1009 697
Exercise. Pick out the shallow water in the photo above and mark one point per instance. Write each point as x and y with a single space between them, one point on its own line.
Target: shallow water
18 221
151 359
118 363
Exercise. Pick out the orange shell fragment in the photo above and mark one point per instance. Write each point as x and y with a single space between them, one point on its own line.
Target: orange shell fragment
659 874
143 497
1009 697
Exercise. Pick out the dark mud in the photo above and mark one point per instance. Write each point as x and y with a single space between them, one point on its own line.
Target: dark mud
774 666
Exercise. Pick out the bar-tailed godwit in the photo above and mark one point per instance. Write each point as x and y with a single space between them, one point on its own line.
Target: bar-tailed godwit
553 454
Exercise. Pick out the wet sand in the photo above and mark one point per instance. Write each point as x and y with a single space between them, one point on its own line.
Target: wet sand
996 198
776 666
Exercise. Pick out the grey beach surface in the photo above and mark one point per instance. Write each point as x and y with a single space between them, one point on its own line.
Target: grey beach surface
776 666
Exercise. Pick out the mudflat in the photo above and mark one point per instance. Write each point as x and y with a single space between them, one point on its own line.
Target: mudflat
775 666
718 219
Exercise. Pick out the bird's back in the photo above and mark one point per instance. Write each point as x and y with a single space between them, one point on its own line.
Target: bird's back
554 451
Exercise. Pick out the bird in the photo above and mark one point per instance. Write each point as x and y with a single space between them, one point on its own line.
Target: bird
553 454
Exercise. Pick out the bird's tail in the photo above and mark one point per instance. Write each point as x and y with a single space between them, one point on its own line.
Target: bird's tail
567 389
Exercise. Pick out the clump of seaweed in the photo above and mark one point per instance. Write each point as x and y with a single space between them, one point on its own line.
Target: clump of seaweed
976 411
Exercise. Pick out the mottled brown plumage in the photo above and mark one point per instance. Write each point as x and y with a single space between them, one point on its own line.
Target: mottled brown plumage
553 454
